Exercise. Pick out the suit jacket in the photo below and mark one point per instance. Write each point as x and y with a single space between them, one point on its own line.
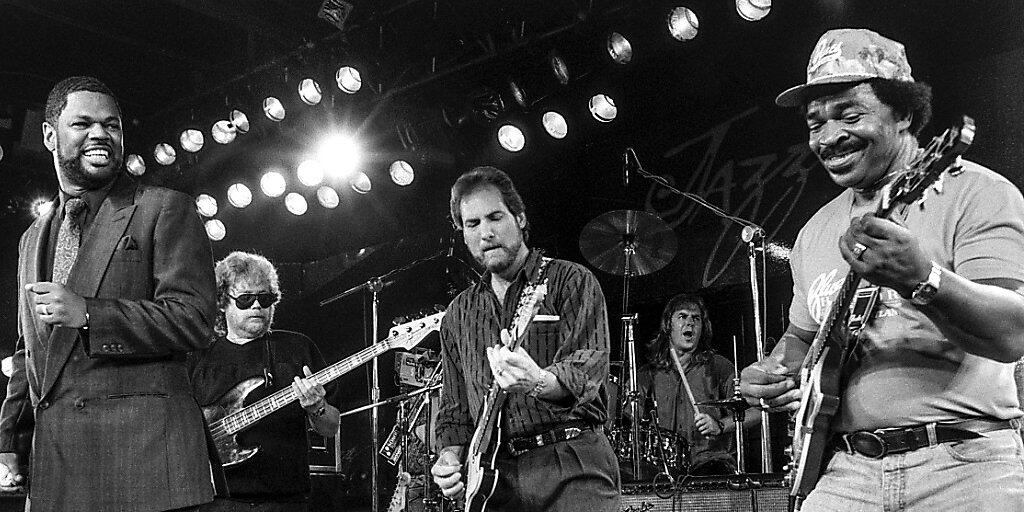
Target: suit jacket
116 427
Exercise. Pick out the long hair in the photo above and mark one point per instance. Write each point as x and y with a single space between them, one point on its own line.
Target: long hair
239 267
658 350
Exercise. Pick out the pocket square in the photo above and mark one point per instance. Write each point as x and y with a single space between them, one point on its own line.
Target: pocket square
127 243
546 318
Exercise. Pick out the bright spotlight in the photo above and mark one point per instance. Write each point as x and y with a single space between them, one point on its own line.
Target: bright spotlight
41 207
295 203
192 140
619 48
339 156
310 173
273 184
558 67
348 79
753 10
215 230
555 124
223 131
239 195
1 153
273 108
328 197
206 204
682 24
135 164
240 121
511 137
602 107
361 183
401 173
164 154
309 91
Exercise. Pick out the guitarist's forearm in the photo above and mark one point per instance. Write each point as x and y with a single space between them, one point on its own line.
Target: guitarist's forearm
983 319
549 388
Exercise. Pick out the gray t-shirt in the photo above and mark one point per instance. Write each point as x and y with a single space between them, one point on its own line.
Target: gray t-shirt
911 374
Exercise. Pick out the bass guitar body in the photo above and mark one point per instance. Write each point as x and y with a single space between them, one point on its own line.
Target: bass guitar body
230 451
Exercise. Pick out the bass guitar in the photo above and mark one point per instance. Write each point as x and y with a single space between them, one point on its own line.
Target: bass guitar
228 416
828 360
481 470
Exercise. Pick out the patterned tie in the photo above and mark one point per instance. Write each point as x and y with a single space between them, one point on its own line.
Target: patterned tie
68 239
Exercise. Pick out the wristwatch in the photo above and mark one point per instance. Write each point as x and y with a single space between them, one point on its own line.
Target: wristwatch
926 290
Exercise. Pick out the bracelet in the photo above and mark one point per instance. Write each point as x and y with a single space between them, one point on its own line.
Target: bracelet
320 411
721 426
536 389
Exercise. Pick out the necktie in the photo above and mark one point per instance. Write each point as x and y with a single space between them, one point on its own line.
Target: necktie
68 239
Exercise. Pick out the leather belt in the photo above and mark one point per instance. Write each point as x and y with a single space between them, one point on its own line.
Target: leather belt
878 443
520 445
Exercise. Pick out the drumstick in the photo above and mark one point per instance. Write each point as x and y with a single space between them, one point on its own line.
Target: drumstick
682 377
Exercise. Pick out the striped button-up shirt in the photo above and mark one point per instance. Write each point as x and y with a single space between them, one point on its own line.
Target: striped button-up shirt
569 337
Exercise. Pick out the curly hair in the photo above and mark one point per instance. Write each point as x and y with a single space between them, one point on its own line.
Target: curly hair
239 267
483 176
658 349
57 100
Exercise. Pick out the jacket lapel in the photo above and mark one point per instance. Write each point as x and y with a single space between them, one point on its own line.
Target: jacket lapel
90 266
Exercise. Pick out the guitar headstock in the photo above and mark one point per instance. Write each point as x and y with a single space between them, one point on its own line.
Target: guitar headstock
940 155
410 334
529 305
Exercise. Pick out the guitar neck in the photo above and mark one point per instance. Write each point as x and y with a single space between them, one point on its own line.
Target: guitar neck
252 413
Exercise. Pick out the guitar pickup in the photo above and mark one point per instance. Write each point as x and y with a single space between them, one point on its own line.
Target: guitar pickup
862 308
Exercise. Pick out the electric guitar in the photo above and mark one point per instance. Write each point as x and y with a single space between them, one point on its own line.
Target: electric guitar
398 498
481 470
227 416
824 369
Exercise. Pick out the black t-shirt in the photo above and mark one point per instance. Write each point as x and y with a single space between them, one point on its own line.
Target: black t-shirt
280 469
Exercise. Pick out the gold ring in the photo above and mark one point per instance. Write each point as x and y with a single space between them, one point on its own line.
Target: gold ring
858 250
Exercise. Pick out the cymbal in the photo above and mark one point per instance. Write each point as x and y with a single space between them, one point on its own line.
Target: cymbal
605 239
738 403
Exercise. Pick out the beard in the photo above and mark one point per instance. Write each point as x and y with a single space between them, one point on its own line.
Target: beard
74 171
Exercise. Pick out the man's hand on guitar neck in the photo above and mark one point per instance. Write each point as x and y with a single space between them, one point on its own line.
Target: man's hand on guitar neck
447 471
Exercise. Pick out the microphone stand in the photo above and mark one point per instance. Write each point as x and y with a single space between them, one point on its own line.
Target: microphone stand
754 236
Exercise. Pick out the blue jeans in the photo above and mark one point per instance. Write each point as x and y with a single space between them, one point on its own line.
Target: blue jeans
978 475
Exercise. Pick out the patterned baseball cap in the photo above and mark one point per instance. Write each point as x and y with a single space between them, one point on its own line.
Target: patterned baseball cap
848 55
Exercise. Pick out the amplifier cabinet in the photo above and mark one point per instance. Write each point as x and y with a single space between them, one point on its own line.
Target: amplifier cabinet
720 496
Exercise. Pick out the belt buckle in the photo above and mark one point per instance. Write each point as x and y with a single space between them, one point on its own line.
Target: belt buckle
855 439
572 433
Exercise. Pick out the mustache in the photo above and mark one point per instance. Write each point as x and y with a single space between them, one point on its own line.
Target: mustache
831 151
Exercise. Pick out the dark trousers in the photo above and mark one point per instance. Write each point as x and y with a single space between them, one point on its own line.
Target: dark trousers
578 474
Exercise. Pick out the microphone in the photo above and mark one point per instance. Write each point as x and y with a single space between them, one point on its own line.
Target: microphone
625 166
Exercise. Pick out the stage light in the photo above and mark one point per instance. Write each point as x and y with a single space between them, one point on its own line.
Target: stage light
273 184
135 164
1 153
310 173
41 207
273 108
401 173
206 205
309 91
328 197
339 155
511 137
555 124
753 10
682 24
602 107
164 154
361 183
517 93
240 121
295 203
192 140
348 79
215 230
559 67
619 48
239 195
223 131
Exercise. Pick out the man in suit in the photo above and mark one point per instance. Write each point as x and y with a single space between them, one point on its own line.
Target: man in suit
116 286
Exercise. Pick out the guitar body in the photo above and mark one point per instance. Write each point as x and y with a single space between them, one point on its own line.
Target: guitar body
231 402
481 463
812 424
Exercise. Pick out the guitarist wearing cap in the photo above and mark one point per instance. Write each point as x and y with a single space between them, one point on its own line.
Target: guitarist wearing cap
917 416
276 476
546 450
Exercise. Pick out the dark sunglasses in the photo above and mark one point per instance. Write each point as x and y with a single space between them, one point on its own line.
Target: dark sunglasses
245 300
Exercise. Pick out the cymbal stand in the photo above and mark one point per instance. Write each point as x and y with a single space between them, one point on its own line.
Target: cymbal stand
738 413
628 321
754 236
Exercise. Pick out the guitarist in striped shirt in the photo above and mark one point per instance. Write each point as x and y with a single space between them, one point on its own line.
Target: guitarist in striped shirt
923 413
553 454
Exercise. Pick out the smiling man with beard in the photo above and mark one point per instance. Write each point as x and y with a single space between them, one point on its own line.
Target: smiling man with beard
555 456
686 327
276 478
116 287
922 423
